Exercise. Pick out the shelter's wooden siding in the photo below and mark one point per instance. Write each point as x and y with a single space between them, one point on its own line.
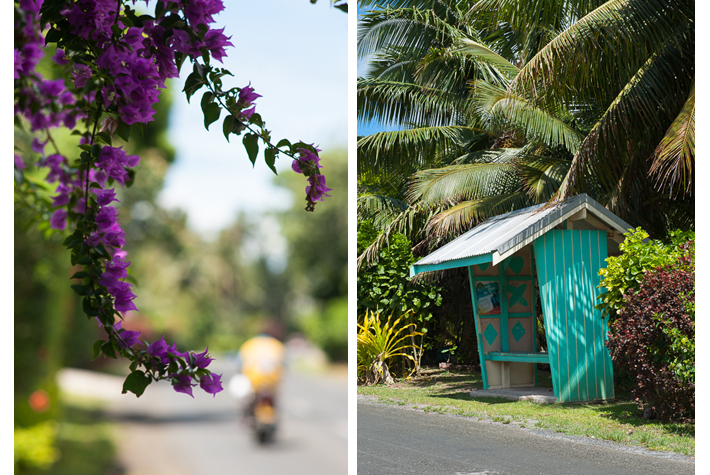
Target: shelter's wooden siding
568 263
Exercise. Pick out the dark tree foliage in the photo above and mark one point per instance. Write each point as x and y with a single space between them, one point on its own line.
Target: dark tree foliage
654 339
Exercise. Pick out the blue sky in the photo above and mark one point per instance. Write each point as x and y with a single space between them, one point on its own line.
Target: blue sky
366 128
295 55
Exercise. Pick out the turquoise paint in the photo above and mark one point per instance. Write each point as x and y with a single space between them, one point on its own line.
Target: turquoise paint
465 262
533 308
490 334
479 338
503 289
545 266
516 264
517 295
568 262
520 357
518 331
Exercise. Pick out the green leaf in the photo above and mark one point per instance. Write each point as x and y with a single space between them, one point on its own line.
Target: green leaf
212 112
97 348
256 120
227 126
52 36
193 83
270 157
283 143
89 309
251 144
86 260
207 98
108 349
79 289
123 130
80 275
136 382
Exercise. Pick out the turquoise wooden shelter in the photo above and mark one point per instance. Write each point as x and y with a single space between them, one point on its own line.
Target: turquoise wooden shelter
553 253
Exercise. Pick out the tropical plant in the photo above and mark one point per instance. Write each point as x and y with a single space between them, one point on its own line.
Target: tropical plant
501 104
625 272
654 339
379 343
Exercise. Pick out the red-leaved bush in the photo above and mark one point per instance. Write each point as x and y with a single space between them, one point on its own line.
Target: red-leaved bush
654 339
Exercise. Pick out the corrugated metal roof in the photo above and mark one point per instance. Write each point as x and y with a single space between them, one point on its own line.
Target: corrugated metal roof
501 236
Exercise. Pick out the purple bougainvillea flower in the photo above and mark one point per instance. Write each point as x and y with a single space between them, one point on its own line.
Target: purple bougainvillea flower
215 41
305 155
52 88
81 74
159 349
173 350
59 220
123 297
18 63
106 217
316 188
105 197
211 383
19 164
202 360
129 337
37 146
183 384
60 58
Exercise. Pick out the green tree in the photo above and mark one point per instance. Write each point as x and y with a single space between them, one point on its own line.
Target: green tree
501 104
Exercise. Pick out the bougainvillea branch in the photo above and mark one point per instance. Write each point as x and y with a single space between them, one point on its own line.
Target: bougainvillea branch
115 61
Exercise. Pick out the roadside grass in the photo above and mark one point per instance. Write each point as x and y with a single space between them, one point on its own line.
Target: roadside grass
619 420
85 440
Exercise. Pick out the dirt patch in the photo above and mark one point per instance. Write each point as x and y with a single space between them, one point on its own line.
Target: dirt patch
452 378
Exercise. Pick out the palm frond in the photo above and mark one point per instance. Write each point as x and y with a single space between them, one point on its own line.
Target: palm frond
455 183
405 151
461 217
390 102
634 123
381 209
674 159
602 50
468 46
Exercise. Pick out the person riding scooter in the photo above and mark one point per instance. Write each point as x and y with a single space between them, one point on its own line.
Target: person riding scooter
262 361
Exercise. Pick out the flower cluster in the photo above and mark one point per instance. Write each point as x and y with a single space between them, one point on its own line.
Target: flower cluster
308 164
115 63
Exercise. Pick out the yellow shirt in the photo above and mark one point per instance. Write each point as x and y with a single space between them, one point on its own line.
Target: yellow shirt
262 362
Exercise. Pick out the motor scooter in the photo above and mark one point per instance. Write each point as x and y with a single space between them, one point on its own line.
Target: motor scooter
264 417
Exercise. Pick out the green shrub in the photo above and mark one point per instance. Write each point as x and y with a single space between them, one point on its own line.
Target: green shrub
329 331
653 339
35 447
626 271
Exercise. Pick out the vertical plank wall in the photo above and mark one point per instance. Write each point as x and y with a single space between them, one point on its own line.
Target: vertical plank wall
568 263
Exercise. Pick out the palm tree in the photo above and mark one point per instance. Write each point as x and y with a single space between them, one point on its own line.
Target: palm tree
501 104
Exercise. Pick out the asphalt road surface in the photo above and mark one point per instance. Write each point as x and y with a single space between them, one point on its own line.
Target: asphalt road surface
401 440
164 432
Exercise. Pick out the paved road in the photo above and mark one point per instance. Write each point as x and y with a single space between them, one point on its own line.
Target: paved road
164 432
400 440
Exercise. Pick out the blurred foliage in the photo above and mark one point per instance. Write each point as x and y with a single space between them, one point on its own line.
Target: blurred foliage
34 447
329 330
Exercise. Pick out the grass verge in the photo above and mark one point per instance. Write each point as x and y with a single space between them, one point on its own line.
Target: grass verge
85 440
620 421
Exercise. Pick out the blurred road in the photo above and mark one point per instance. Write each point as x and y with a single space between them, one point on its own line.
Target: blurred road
164 432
